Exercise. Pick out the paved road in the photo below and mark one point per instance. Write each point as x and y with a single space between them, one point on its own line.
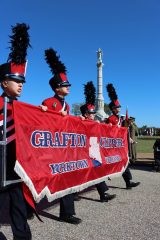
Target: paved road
132 215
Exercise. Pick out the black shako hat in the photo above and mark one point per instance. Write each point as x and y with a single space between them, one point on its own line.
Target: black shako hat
16 65
113 97
89 92
58 69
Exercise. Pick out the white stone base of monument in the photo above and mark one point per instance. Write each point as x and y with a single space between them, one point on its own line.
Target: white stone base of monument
101 115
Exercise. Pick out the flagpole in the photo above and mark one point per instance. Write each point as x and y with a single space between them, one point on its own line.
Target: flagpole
127 125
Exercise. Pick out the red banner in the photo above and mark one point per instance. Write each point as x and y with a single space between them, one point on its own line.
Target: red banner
59 155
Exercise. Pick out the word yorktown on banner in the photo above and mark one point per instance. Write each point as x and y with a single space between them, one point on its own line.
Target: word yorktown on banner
58 155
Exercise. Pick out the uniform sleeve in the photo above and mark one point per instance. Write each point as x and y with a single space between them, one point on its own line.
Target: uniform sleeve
107 121
1 104
136 130
44 103
47 103
52 104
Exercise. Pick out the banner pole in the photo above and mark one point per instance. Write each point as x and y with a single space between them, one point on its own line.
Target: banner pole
4 142
129 145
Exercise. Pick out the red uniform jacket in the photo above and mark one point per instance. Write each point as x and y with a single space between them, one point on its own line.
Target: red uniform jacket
114 120
11 148
56 104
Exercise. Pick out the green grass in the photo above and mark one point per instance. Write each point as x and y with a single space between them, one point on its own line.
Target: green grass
145 144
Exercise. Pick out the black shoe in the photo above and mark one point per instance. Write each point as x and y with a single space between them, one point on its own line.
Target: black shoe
132 184
106 197
71 219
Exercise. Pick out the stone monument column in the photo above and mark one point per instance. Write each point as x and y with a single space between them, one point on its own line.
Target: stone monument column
100 99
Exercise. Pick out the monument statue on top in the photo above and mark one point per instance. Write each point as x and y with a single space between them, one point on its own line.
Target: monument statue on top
100 114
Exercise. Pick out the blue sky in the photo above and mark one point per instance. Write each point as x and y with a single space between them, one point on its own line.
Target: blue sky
127 31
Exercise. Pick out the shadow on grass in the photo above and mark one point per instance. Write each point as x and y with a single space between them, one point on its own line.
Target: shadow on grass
143 165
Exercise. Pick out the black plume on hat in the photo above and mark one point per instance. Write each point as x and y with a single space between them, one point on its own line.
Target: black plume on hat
15 68
57 68
90 97
113 96
90 93
111 92
19 43
53 61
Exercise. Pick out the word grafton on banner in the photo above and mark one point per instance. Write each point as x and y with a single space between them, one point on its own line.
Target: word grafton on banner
59 155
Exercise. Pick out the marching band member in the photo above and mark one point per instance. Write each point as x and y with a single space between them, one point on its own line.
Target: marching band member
12 77
88 112
60 86
115 119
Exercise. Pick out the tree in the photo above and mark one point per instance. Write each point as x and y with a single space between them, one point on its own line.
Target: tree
107 109
76 109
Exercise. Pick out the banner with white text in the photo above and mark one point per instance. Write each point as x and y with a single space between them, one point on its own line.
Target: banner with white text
59 155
